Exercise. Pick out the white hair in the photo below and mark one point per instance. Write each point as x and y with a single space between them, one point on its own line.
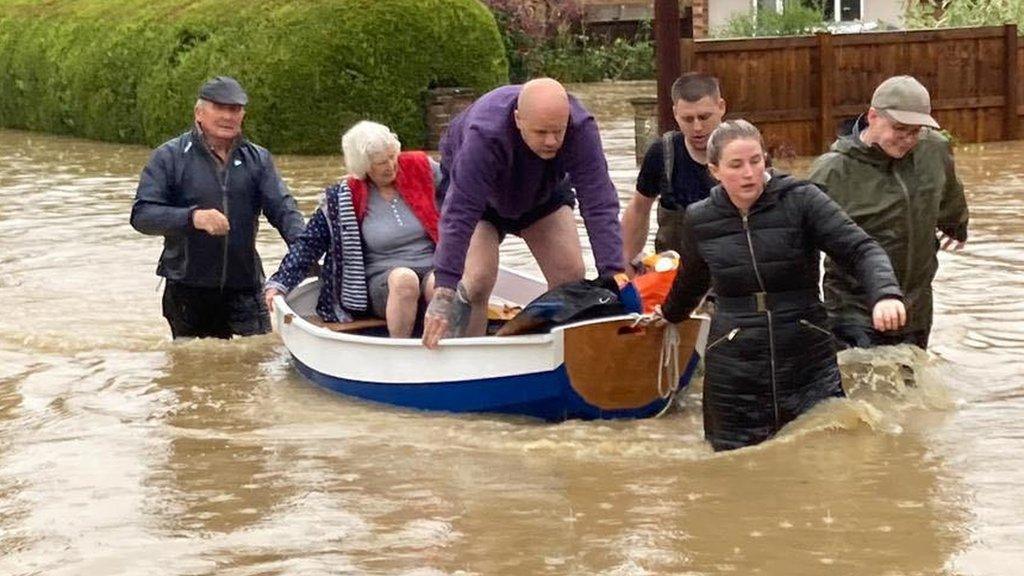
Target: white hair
363 141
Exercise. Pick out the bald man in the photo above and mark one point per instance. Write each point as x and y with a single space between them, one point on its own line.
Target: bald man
515 162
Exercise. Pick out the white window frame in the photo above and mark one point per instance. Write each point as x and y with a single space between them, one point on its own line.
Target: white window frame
755 7
837 8
837 11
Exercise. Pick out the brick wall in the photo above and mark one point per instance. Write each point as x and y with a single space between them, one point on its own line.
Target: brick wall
443 104
700 18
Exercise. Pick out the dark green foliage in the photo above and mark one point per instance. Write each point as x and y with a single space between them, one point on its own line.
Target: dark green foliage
128 71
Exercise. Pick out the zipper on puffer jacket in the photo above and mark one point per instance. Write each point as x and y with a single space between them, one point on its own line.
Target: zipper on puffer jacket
728 337
771 329
813 326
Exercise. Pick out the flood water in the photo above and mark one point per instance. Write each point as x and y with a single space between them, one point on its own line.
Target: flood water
122 453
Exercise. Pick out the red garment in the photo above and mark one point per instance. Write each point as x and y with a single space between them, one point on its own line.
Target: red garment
654 287
415 183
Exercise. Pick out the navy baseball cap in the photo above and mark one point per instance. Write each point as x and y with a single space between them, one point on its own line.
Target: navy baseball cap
224 90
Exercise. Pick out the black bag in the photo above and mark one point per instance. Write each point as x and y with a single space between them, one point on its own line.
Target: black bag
565 304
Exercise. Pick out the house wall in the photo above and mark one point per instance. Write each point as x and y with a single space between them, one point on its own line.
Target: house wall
720 11
890 11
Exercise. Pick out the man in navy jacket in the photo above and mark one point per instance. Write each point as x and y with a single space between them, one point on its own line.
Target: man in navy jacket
203 192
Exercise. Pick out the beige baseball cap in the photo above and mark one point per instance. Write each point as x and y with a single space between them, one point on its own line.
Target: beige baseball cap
905 100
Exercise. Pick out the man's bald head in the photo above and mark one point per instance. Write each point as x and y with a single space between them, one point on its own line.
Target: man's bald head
542 115
543 95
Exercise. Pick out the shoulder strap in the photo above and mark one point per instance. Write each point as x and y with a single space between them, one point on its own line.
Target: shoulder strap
668 152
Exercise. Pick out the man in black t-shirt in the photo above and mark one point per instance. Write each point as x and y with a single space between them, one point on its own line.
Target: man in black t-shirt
698 107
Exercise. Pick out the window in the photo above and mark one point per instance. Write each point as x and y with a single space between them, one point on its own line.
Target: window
847 10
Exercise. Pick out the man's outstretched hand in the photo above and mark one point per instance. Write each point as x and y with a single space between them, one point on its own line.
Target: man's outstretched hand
435 320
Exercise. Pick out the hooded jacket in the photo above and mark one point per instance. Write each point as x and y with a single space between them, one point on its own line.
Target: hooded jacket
900 202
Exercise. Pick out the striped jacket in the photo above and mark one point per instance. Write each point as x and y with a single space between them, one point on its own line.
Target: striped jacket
334 233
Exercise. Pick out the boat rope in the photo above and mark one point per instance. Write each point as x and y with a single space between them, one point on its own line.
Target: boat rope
668 367
668 361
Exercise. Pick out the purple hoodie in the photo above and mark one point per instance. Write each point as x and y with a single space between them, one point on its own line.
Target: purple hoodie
488 164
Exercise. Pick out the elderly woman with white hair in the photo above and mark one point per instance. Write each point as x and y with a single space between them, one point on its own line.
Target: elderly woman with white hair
376 229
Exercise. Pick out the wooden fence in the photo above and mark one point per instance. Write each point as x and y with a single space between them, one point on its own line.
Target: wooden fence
798 90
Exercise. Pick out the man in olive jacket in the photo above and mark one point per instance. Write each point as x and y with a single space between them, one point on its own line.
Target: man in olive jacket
896 179
204 192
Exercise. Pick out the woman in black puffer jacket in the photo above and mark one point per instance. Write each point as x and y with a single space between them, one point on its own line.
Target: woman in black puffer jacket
755 241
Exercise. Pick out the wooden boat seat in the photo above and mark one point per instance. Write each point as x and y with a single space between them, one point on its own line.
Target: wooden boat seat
353 326
496 314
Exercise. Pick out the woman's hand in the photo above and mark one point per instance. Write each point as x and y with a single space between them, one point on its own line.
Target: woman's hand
655 318
268 297
889 314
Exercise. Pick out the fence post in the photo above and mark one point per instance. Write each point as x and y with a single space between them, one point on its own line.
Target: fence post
666 44
645 124
686 49
1011 120
826 90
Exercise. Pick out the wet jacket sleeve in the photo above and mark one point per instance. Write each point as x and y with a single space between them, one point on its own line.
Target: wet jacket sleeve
154 210
953 212
692 281
304 250
599 201
472 183
849 246
278 205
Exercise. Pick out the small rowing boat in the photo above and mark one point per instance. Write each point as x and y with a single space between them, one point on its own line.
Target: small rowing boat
604 368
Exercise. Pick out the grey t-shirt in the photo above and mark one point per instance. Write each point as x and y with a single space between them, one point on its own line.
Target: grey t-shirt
392 236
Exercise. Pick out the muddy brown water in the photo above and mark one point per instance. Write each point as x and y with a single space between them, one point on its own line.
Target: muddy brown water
122 453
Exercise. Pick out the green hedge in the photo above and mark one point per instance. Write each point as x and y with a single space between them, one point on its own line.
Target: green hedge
128 71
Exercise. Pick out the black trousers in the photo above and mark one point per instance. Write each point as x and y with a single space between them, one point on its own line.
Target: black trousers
197 312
